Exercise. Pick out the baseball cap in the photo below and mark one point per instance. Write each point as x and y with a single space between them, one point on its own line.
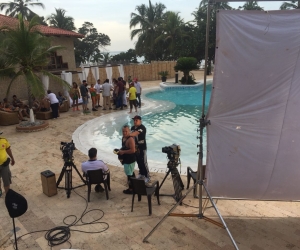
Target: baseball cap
137 117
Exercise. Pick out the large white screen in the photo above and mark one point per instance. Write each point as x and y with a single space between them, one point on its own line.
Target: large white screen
254 136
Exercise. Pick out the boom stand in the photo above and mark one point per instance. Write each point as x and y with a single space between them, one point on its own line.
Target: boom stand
200 176
67 171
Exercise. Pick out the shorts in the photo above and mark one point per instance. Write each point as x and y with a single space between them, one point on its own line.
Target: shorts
5 174
129 168
84 100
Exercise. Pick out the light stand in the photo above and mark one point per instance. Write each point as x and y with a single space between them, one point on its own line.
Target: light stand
200 176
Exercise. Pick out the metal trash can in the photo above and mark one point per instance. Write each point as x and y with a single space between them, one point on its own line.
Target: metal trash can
48 183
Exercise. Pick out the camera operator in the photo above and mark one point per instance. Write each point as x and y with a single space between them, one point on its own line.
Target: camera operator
128 153
94 164
139 132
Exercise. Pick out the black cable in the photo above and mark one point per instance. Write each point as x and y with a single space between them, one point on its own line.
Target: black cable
61 234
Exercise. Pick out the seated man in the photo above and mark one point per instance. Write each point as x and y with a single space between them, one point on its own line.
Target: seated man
16 102
93 164
61 98
5 106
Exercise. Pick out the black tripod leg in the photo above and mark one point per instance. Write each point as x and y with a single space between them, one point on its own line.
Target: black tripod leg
68 182
165 178
15 233
61 175
83 180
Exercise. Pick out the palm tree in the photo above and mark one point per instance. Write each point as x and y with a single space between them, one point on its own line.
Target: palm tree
172 32
26 52
290 5
60 20
149 18
251 5
20 7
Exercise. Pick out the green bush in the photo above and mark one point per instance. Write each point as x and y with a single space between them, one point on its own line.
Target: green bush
186 64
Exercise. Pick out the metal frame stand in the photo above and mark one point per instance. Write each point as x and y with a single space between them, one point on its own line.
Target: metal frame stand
200 176
67 171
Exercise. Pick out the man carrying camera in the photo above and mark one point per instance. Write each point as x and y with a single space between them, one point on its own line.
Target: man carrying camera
94 164
139 132
128 154
5 173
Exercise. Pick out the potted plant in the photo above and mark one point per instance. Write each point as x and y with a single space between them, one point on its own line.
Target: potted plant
163 75
187 64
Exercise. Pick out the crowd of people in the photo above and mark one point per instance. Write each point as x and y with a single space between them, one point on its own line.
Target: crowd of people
134 147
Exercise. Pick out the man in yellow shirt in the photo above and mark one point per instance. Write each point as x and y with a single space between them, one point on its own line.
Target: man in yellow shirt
132 97
5 173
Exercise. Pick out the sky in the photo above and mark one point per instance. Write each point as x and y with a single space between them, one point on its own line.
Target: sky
112 17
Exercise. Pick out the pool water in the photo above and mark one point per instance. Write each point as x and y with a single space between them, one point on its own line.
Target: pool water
167 123
178 125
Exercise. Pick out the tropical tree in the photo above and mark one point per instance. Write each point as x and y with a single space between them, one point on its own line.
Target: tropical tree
20 7
186 65
106 57
200 19
172 34
87 49
60 20
128 56
25 52
290 5
251 5
148 18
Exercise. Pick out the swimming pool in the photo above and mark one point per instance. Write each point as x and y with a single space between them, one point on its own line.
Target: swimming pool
170 116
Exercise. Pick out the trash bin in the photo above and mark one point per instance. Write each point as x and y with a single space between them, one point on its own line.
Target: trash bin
48 183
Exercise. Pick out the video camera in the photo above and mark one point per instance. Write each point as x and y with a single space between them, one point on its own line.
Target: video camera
173 152
67 150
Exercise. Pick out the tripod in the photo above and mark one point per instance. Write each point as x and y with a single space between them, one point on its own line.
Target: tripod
177 182
67 171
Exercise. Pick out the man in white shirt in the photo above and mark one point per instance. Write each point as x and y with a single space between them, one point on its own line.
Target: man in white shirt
107 87
98 88
138 87
94 164
54 103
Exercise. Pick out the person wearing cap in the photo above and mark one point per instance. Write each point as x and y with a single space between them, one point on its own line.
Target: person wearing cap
84 95
138 87
132 97
139 132
120 86
5 173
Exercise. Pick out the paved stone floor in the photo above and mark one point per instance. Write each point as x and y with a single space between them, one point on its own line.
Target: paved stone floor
255 225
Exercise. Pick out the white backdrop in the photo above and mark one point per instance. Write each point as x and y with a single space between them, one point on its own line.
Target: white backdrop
254 136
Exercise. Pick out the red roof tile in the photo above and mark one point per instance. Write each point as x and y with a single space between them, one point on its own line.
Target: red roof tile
46 30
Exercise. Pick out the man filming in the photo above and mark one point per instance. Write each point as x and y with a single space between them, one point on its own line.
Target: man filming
139 132
94 164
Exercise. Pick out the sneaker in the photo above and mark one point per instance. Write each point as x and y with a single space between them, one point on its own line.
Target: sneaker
147 179
139 176
99 188
95 109
127 191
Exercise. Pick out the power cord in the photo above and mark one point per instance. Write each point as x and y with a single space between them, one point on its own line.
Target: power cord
61 234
